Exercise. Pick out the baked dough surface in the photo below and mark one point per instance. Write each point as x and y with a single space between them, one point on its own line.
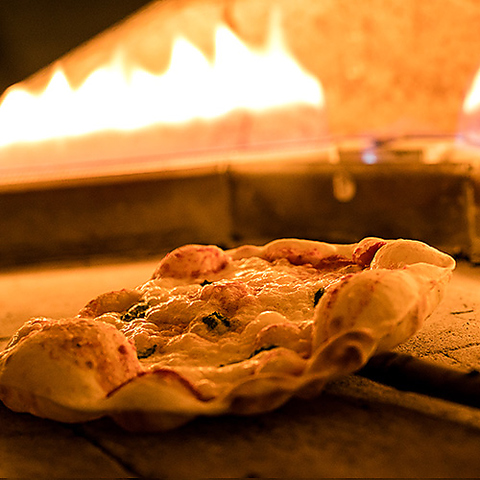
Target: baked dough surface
224 331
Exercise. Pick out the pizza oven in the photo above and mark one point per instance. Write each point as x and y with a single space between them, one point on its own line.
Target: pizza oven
242 121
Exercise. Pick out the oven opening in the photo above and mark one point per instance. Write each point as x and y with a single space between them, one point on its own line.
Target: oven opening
321 122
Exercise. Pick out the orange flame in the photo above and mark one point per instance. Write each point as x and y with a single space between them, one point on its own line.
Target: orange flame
469 128
121 97
472 100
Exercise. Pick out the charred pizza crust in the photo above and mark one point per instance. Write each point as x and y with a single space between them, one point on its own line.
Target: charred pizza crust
224 331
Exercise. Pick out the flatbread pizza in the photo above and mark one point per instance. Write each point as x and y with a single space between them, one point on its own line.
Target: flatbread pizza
217 331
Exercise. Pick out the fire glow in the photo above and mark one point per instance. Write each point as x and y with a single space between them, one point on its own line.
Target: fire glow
469 128
125 98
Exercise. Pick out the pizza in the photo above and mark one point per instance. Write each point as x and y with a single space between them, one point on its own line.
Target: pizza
217 331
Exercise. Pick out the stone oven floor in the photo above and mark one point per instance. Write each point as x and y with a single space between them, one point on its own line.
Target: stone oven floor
356 428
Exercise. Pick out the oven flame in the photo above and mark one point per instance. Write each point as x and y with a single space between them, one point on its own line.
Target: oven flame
469 128
472 101
125 97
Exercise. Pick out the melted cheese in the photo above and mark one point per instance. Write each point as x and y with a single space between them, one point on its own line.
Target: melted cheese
252 306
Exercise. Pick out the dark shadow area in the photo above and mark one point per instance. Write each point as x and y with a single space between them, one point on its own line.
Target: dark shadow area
34 33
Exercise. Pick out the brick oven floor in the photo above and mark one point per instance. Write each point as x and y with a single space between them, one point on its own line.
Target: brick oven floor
357 428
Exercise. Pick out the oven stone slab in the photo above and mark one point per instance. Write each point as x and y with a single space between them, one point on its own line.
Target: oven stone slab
356 428
344 203
337 199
